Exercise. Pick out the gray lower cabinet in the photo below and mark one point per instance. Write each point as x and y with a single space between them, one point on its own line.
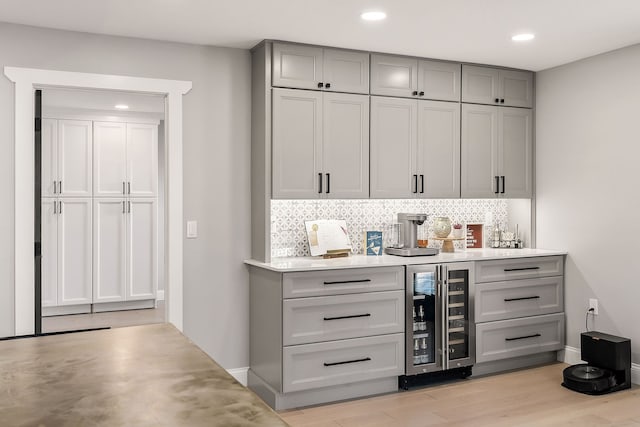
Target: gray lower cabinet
341 336
519 308
415 148
320 145
493 86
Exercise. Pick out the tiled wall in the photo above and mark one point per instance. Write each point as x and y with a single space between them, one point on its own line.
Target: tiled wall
289 238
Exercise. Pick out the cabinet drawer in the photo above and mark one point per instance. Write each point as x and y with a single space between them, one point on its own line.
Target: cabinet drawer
520 268
519 337
518 298
308 320
339 282
339 362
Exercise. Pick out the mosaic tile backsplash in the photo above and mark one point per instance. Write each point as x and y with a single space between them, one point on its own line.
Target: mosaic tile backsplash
289 238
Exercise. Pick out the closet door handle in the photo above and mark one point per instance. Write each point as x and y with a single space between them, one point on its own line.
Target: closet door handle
320 85
59 207
415 184
421 93
414 93
124 189
497 100
55 208
328 183
123 209
59 187
497 184
319 183
328 85
129 187
421 184
54 187
502 178
129 204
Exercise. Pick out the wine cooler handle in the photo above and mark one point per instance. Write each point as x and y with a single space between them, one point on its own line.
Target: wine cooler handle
445 322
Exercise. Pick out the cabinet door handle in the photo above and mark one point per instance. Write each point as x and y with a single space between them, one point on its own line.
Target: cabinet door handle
502 178
55 208
502 101
497 100
60 207
129 187
421 184
124 189
54 187
129 204
59 187
364 359
415 184
340 282
522 268
328 183
414 93
123 210
521 298
523 338
421 93
497 184
328 85
319 183
320 85
353 316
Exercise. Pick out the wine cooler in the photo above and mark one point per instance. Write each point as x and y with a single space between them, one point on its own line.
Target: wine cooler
440 333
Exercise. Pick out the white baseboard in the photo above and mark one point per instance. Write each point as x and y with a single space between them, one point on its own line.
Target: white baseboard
160 295
571 355
240 374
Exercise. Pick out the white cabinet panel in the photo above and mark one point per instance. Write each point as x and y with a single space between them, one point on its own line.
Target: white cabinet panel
297 66
345 148
346 71
479 151
49 239
110 155
49 178
75 158
516 150
480 85
393 147
74 251
142 250
517 88
439 80
109 251
394 75
142 159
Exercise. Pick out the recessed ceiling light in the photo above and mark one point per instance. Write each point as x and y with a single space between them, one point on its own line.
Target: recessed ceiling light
373 16
523 37
122 107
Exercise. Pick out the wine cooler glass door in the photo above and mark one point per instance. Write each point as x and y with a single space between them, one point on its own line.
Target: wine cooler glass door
459 317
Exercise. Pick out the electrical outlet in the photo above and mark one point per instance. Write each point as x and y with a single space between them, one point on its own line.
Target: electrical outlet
593 303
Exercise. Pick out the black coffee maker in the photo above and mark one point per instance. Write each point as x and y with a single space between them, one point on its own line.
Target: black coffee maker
608 366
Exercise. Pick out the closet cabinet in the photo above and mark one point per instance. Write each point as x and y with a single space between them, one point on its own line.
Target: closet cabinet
125 159
66 158
125 249
320 145
66 251
311 67
415 148
413 78
496 152
485 85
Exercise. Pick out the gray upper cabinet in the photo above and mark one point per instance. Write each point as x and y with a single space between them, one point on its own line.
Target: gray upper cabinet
415 148
484 85
413 78
320 145
496 157
309 67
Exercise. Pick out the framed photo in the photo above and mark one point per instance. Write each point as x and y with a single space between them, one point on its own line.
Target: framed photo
474 235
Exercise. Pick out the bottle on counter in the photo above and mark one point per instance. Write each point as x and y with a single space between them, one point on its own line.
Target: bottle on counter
417 357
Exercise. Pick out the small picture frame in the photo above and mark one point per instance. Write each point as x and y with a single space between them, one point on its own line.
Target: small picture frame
475 236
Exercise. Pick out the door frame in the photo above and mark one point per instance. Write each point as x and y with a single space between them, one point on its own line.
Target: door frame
26 80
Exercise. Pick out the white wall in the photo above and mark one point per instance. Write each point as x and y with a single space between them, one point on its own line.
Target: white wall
216 167
588 198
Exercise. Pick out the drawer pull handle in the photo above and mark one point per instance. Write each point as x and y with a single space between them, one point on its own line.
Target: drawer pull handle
366 359
521 298
523 338
522 269
347 281
348 317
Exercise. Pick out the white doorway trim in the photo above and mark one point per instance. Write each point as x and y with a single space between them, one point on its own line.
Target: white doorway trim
26 80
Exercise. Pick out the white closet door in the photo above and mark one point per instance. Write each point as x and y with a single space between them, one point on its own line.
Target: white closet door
74 251
142 250
109 249
142 159
109 159
49 158
75 142
49 227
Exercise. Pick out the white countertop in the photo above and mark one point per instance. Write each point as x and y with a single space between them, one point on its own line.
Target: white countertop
291 264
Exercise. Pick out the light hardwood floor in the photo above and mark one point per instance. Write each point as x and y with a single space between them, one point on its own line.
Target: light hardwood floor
532 397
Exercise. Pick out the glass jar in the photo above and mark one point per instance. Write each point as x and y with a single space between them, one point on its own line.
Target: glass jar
442 226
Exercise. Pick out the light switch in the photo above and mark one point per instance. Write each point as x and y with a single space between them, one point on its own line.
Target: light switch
192 229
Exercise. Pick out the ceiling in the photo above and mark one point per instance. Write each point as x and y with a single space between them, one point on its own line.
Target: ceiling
97 100
464 30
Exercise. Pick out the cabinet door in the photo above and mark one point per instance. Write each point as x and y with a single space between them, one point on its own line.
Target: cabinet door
74 251
109 159
297 66
479 147
439 80
393 148
109 250
75 146
439 149
345 148
515 151
142 248
516 88
394 75
297 144
142 160
346 71
480 85
49 224
49 158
